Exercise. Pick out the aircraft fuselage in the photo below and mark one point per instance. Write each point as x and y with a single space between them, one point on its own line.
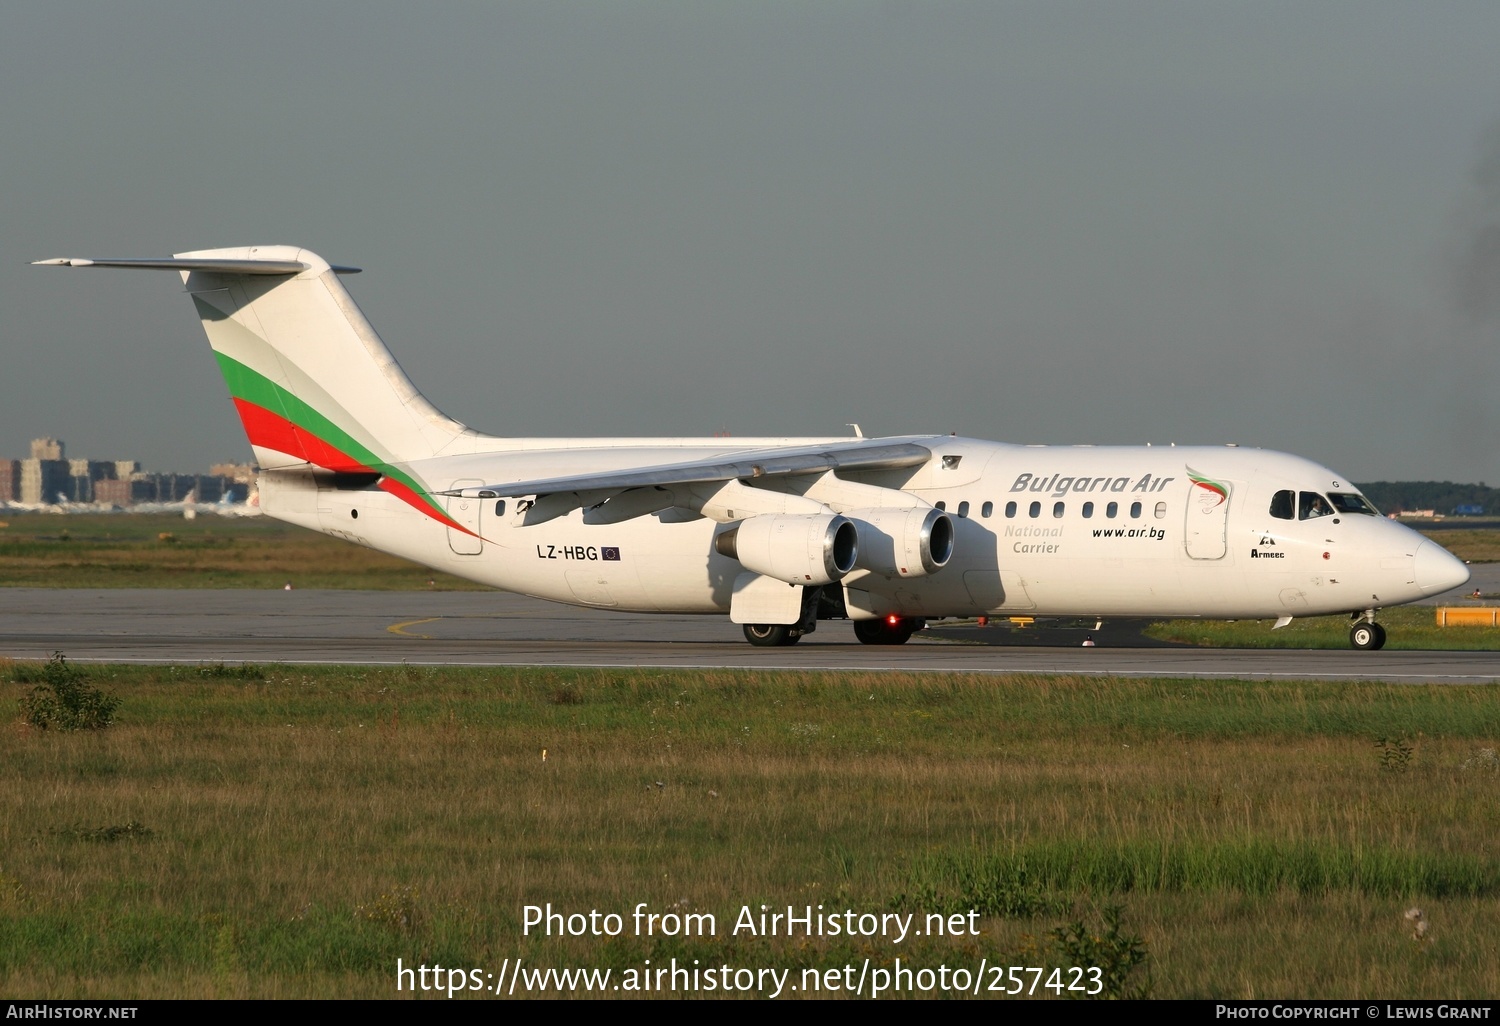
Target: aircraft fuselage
1039 530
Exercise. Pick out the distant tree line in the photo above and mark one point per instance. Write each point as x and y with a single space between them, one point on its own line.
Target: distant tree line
1440 496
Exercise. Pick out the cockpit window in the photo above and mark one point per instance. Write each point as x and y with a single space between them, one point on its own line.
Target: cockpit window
1311 505
1349 502
1284 505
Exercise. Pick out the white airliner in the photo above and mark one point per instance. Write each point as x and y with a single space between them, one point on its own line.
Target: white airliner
779 533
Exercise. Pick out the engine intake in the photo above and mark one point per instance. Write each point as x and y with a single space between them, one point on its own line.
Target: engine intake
911 542
811 549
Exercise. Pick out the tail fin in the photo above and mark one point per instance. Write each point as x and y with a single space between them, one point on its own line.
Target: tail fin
311 379
313 383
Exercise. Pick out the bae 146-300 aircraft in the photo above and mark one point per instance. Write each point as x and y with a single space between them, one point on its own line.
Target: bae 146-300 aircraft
780 533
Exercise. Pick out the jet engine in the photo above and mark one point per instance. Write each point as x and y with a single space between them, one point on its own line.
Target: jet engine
906 542
797 549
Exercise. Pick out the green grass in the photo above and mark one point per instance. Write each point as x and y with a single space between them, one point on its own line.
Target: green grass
163 551
1408 627
1473 544
277 831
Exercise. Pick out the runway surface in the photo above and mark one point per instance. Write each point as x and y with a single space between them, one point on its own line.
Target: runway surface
498 629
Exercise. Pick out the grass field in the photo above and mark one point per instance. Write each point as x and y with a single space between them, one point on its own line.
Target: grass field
164 551
1474 539
282 831
1409 627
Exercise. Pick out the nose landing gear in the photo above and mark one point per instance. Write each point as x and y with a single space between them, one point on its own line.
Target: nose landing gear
1366 634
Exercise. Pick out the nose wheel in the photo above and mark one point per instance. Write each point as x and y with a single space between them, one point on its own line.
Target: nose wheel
1367 635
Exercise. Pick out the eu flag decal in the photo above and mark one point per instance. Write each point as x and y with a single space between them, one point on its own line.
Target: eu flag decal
610 553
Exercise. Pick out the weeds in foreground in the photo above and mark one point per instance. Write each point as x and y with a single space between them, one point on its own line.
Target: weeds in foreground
1114 952
1419 925
242 671
130 831
397 910
63 699
1002 887
1486 760
1395 752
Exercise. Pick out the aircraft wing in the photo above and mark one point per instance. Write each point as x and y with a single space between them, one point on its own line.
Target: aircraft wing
856 454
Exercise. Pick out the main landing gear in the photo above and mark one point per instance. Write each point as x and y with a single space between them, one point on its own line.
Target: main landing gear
1366 634
888 630
827 601
770 635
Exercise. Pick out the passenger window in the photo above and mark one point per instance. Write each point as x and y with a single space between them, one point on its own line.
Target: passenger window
1311 505
1161 510
942 506
963 508
1035 510
1112 509
1088 510
1283 505
1010 510
986 510
500 508
1135 511
1057 509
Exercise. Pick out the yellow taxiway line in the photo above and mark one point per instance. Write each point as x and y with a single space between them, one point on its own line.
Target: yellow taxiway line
400 628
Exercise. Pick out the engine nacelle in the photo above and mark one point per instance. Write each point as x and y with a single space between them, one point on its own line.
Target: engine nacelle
801 549
906 542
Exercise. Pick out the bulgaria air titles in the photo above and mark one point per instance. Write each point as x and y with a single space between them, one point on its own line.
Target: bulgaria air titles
1059 485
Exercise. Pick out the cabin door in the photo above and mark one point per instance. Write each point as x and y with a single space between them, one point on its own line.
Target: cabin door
1207 528
464 511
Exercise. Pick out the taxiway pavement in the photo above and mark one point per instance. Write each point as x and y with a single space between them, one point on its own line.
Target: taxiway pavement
499 629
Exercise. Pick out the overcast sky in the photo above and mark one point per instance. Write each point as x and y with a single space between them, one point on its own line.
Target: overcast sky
1276 224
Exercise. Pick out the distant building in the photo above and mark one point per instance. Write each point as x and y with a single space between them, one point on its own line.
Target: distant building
1468 509
42 481
46 449
10 480
114 492
85 475
169 488
239 473
48 478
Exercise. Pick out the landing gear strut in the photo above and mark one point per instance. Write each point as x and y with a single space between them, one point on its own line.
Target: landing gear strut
771 635
1366 634
888 630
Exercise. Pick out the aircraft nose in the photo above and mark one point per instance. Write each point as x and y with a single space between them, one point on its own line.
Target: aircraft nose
1438 569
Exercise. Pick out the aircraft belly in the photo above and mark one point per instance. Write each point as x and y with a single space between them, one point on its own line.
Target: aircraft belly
368 517
1082 587
997 591
640 564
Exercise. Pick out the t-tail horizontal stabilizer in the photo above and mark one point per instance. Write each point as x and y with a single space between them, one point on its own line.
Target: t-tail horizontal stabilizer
215 266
